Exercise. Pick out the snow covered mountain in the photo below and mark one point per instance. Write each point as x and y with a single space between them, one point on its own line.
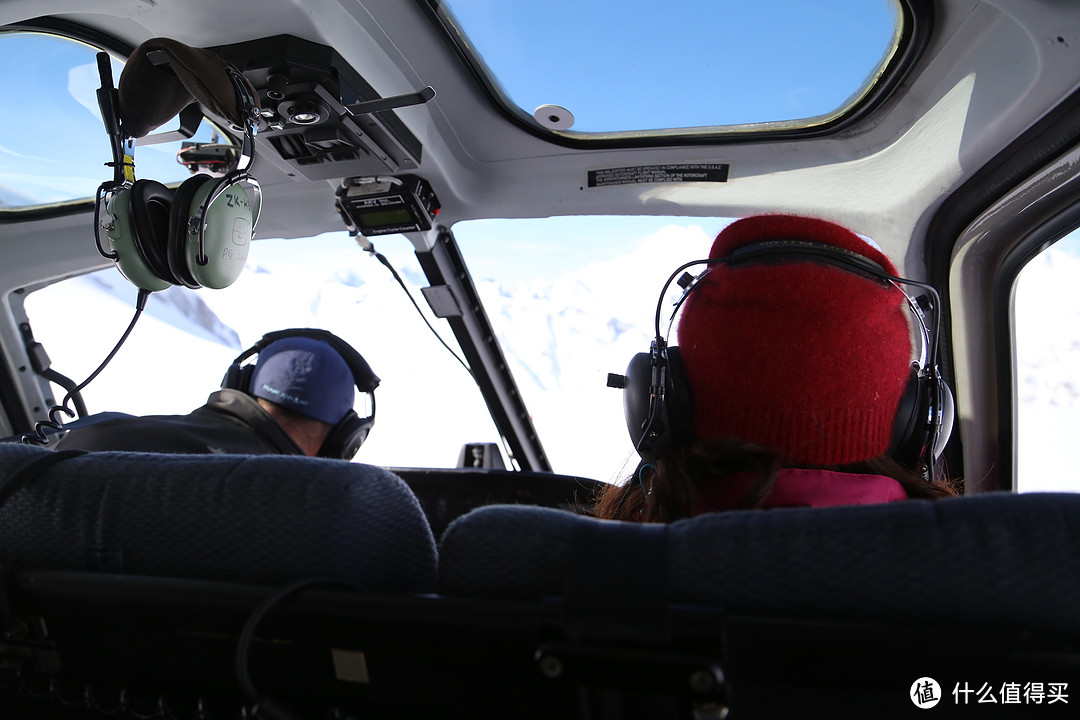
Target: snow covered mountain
1047 321
174 306
561 337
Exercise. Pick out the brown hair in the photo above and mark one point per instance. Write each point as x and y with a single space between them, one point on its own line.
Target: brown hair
667 491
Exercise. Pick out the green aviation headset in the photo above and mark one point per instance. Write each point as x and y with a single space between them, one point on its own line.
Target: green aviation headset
197 235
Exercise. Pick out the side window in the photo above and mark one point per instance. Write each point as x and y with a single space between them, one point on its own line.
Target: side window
55 149
1046 314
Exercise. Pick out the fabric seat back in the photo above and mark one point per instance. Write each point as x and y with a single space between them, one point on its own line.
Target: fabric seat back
998 559
246 519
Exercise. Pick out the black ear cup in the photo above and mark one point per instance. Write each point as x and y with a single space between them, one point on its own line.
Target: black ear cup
637 407
905 446
151 207
924 420
238 377
346 437
179 230
138 230
656 420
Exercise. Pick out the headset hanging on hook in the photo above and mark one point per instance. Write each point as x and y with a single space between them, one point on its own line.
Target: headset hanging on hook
199 234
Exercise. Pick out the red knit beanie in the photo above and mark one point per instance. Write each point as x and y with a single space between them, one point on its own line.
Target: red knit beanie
804 358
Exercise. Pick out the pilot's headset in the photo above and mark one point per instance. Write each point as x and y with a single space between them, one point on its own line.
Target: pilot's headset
659 401
351 431
197 235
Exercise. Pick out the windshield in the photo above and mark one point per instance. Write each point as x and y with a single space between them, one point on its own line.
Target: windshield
571 299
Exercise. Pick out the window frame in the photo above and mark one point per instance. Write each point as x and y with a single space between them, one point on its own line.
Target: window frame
71 31
916 24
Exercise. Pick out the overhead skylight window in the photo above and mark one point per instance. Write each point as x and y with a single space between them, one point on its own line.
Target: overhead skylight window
639 66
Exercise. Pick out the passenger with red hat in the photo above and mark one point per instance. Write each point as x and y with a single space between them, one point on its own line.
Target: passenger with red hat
797 367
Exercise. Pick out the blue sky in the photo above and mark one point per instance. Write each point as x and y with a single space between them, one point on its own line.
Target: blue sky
57 149
735 62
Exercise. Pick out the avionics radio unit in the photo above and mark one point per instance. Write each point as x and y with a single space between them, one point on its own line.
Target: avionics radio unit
387 204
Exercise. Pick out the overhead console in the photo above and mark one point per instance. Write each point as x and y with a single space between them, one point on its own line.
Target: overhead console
320 116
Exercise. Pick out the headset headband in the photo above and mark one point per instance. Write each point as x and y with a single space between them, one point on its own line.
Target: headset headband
249 111
195 72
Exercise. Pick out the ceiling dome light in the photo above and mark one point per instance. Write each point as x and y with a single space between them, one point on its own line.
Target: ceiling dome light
554 117
304 112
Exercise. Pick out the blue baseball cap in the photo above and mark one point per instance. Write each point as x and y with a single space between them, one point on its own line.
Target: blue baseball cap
306 376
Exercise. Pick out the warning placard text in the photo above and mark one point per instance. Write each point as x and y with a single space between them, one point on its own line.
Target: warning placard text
694 172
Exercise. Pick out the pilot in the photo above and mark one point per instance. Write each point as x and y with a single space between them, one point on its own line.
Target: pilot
297 399
796 370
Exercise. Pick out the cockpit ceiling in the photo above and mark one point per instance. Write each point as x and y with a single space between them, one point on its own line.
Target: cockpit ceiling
981 76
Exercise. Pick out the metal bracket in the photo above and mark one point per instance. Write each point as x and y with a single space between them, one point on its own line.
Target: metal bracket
366 107
190 119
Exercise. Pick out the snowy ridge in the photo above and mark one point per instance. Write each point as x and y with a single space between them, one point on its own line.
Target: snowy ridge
182 310
560 337
1047 315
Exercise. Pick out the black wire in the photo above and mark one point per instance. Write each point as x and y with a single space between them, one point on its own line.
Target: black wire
260 704
67 384
140 305
38 436
379 256
667 284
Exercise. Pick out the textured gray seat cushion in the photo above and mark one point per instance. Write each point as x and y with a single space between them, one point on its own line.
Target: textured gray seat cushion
237 518
1001 559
